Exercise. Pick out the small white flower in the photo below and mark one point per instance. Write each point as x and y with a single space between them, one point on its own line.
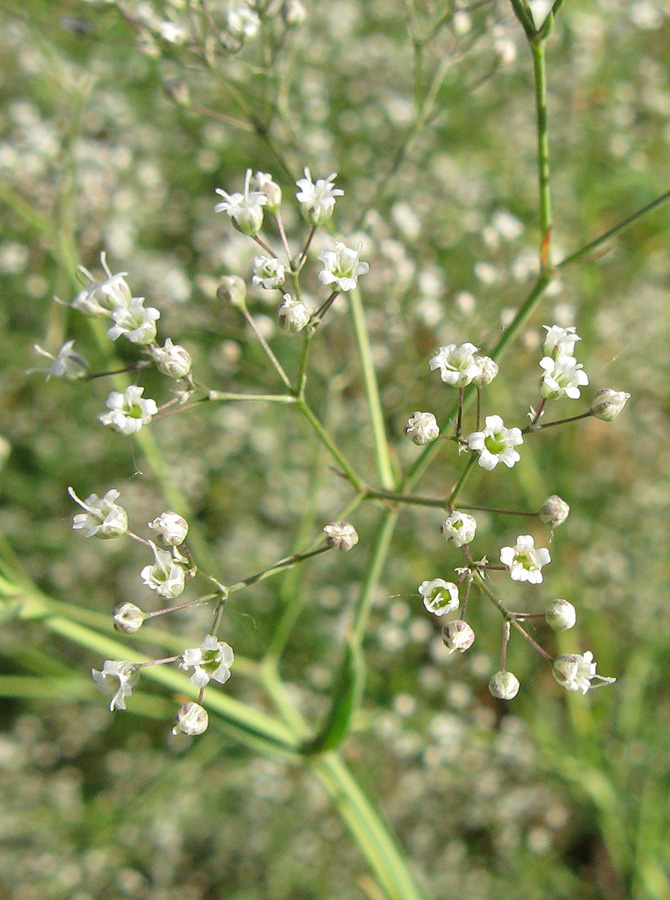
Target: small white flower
266 184
457 636
172 360
103 518
171 528
495 443
137 323
341 535
439 597
211 660
422 428
269 272
459 527
504 685
293 13
128 411
166 576
117 678
317 201
456 364
524 561
560 341
242 23
292 315
560 615
341 267
562 377
488 369
68 365
191 719
99 298
128 618
554 511
246 209
607 404
576 671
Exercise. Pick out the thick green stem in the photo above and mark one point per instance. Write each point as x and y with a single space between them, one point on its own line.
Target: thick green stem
540 72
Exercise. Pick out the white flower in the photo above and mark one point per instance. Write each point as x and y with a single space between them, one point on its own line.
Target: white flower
269 272
171 528
341 267
117 678
495 443
191 719
137 323
457 364
504 685
459 527
266 184
457 635
576 671
317 201
422 428
439 597
211 660
524 561
292 315
607 404
554 511
128 618
68 365
341 535
560 341
128 411
172 360
242 23
562 377
245 210
166 576
103 518
560 615
487 370
99 298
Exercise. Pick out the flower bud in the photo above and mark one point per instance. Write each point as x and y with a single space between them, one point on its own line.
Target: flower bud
459 527
607 404
488 369
457 635
504 685
554 511
170 528
172 360
422 428
233 289
292 315
341 535
293 13
439 597
178 91
191 719
560 615
128 618
271 190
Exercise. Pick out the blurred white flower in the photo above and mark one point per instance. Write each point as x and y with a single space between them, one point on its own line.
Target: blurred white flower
117 678
128 411
342 267
456 364
211 660
67 364
576 671
242 23
103 518
317 201
496 443
99 298
524 561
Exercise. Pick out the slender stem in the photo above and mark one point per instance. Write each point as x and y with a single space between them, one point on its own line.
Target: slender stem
540 71
531 429
266 398
524 16
279 566
374 569
467 471
505 641
502 512
327 441
408 499
266 347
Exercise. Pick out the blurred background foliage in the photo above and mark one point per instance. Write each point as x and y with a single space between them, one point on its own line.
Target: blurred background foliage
551 795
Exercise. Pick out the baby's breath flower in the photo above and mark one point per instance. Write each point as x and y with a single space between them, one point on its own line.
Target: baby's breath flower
269 187
457 636
293 13
487 370
269 272
341 267
233 289
341 535
211 660
439 597
560 341
456 364
128 411
560 615
607 404
117 678
317 201
99 298
246 209
292 315
67 364
128 618
554 511
562 377
171 528
495 443
242 23
459 527
137 323
103 518
524 561
172 360
422 428
504 685
576 671
166 576
191 719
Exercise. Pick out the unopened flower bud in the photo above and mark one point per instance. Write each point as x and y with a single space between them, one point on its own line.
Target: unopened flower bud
607 404
561 615
191 719
172 360
271 190
293 13
170 528
504 685
341 535
488 369
422 428
292 315
233 289
459 527
554 511
128 618
457 635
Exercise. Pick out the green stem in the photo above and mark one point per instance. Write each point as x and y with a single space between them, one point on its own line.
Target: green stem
540 73
327 441
374 569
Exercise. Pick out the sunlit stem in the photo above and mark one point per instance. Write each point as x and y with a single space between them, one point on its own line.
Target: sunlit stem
261 243
461 481
266 347
279 566
303 255
539 427
507 627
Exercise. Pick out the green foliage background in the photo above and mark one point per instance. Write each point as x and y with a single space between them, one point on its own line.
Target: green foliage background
552 795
